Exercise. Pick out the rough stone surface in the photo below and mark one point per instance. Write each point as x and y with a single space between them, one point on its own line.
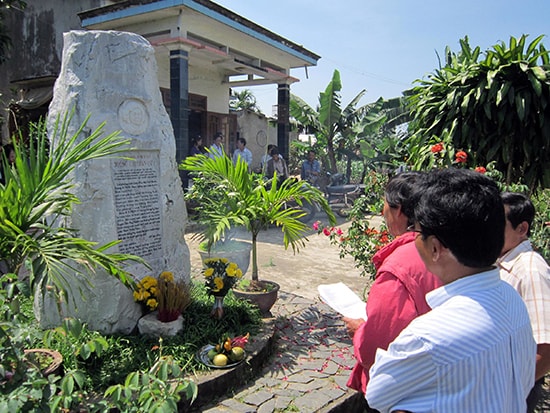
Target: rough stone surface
111 77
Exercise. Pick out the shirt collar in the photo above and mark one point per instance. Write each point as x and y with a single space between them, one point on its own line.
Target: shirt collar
464 286
508 260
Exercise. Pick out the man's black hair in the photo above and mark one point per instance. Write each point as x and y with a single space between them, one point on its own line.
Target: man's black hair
463 209
520 208
399 192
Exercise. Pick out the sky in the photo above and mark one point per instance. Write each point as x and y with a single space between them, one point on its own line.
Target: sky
384 46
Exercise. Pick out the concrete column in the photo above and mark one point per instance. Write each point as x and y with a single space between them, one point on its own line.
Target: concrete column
179 104
283 120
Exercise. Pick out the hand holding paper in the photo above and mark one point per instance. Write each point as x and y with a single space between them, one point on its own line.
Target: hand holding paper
342 299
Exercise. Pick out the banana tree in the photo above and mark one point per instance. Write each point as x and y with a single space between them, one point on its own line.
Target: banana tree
352 125
230 196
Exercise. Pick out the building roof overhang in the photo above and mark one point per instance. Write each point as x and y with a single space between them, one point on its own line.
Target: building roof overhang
246 53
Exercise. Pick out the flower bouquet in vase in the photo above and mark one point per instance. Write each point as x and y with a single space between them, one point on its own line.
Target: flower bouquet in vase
168 297
220 276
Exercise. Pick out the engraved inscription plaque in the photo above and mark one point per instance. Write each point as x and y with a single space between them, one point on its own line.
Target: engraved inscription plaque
137 204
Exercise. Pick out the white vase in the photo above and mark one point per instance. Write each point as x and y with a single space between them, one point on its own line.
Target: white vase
150 325
235 251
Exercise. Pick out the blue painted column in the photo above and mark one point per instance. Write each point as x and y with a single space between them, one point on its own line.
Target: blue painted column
283 121
179 104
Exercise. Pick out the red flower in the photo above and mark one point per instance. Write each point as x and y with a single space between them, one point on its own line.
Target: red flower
481 169
461 157
339 231
326 231
438 147
316 225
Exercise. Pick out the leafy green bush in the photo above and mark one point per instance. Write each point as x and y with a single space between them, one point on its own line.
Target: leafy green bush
93 362
540 231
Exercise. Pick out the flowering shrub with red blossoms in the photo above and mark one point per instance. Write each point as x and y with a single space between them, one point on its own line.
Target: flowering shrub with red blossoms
361 241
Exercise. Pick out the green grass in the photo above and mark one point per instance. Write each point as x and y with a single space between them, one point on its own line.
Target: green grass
128 353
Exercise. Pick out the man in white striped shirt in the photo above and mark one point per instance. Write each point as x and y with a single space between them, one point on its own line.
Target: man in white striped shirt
474 352
529 274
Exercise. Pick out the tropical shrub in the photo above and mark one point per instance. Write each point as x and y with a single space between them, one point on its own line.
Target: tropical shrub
492 105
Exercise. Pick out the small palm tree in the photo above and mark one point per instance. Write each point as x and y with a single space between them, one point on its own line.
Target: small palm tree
230 196
36 197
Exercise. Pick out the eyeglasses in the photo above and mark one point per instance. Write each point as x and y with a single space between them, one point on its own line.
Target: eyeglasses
411 228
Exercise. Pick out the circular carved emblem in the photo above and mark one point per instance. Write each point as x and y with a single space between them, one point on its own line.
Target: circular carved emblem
133 117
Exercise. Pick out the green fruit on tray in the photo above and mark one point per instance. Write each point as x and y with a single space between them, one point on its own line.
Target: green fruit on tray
236 354
211 354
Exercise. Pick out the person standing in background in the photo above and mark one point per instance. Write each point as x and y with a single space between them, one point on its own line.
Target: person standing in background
242 152
529 274
216 149
276 165
197 147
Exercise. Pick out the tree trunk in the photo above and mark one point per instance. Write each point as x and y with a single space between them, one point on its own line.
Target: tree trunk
254 257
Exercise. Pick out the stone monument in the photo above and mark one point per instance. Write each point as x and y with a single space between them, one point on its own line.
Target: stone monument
111 76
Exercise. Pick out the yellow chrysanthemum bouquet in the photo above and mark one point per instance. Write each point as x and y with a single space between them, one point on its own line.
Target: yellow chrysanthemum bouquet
220 275
146 293
164 294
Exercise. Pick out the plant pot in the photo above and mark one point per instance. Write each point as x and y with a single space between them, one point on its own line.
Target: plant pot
264 300
235 251
37 356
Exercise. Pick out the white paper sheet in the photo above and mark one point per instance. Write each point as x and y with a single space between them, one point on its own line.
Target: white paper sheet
342 299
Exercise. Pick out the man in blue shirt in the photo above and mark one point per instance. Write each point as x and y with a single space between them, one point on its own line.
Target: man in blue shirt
474 351
242 152
311 168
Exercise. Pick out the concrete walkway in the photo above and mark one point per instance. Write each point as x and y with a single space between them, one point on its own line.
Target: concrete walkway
312 355
308 369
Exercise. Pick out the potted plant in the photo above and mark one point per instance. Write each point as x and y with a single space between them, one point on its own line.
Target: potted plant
229 196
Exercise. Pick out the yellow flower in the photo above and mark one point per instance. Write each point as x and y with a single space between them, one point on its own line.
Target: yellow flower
218 281
148 282
239 273
224 260
152 303
209 272
167 276
231 272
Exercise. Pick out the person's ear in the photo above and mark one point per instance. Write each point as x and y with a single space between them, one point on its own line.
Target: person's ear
435 248
522 229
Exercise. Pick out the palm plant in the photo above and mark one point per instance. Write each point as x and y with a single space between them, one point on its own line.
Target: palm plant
230 196
35 199
244 99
